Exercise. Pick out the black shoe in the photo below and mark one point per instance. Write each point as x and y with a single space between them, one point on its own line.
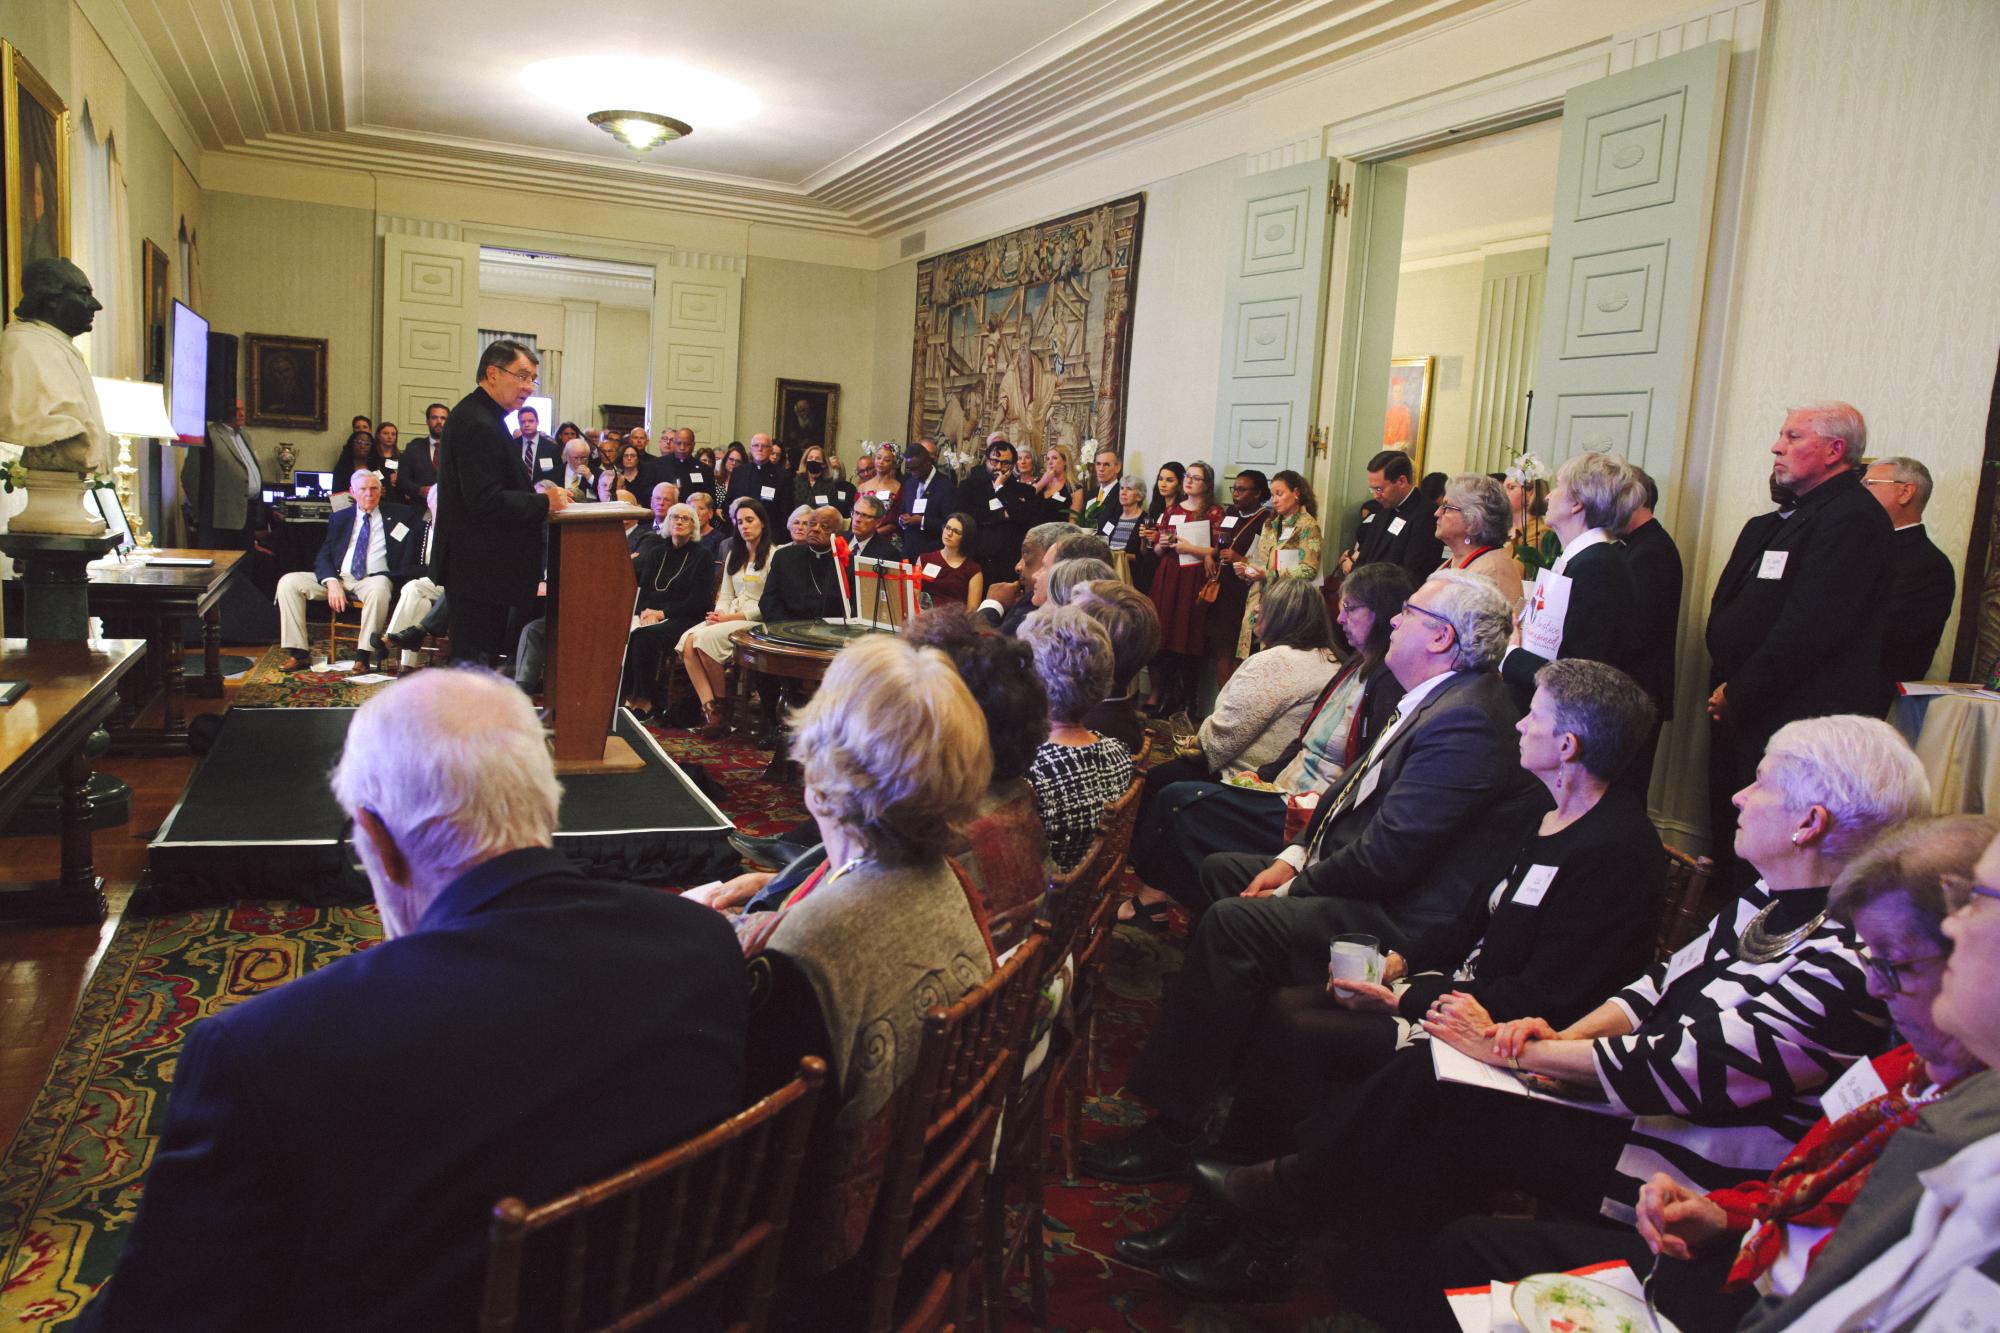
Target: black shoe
406 640
1147 1154
298 662
1253 1193
1195 1232
1243 1270
363 663
765 853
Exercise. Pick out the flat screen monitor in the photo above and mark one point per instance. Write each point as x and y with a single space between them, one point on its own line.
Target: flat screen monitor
102 501
276 494
187 396
544 409
312 485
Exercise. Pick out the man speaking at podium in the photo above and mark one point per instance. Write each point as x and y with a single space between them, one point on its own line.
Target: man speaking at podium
490 511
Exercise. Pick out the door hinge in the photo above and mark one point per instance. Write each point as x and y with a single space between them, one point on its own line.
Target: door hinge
1316 442
1336 199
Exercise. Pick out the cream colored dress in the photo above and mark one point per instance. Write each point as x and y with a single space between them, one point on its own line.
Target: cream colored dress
739 595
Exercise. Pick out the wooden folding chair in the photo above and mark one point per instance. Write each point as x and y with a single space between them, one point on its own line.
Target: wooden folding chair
1684 912
643 1243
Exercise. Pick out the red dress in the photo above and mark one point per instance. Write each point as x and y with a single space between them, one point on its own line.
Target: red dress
1183 620
947 587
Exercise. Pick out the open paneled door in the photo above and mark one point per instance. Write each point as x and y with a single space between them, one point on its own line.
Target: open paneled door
1628 258
1366 271
1273 320
430 323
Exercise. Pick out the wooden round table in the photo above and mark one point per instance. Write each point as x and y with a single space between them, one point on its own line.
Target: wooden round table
798 650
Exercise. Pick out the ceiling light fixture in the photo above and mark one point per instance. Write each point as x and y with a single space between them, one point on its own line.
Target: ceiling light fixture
640 130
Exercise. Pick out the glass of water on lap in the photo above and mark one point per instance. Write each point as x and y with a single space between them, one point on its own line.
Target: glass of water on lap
1357 958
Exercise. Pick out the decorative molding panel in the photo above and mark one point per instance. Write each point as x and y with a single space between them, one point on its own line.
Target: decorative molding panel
1614 302
1257 435
1611 423
1507 345
1267 337
1738 22
1288 154
387 224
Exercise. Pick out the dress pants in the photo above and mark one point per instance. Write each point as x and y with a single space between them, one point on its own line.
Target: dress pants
1301 1051
413 604
373 594
1184 823
478 629
1243 950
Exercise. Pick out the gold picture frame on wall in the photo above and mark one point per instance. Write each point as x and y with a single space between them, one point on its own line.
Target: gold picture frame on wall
35 125
1407 423
807 412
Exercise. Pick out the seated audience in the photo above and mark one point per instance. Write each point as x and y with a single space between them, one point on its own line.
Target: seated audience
579 478
1134 626
1418 827
1181 823
1064 577
441 1099
706 649
1006 605
950 574
1752 1242
675 575
368 551
805 581
1706 1067
871 537
1472 521
417 598
707 530
1266 701
895 754
1076 772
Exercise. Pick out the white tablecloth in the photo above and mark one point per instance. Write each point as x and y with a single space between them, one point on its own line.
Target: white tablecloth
1958 739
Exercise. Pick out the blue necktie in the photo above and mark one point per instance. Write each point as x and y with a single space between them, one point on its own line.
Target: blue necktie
360 562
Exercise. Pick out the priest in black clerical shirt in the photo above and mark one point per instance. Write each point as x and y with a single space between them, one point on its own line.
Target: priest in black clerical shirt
804 582
763 478
1404 531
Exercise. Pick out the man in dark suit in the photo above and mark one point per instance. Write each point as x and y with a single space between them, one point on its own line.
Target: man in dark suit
1656 574
1795 625
764 479
541 454
491 514
1400 849
1002 505
333 1148
370 550
927 499
1103 501
871 535
420 460
1404 530
1922 586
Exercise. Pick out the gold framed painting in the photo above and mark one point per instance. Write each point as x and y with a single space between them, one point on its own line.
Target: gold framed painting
286 381
807 412
1407 425
36 130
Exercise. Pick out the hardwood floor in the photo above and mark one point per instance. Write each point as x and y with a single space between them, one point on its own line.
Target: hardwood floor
43 969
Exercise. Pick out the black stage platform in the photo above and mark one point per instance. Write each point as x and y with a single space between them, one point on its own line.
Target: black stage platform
258 819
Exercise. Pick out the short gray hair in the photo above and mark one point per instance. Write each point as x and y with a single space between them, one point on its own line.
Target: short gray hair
1605 709
1044 536
1909 865
362 474
1909 472
1605 485
678 508
1133 481
1130 618
455 766
1482 503
1071 574
803 511
1078 544
873 503
1073 656
1478 614
1838 421
1858 768
1291 613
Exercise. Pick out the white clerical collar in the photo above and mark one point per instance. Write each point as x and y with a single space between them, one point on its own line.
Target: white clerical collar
1586 539
1905 527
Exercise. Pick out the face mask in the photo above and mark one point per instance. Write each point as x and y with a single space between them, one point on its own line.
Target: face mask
814 466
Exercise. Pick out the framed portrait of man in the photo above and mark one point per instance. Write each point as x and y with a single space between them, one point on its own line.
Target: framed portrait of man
808 412
285 381
153 290
37 169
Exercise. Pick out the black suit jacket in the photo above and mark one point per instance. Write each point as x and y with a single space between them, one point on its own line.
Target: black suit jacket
1451 805
490 517
417 464
752 479
1807 641
826 491
1921 592
925 533
1656 573
804 584
548 464
333 1148
1604 623
1004 514
404 553
1405 535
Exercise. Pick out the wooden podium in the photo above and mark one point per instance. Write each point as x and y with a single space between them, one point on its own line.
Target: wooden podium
591 593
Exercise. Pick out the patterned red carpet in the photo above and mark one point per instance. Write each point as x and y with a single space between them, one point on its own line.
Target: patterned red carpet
72 1177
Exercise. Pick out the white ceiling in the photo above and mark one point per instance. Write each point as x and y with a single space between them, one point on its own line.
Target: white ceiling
1493 189
874 115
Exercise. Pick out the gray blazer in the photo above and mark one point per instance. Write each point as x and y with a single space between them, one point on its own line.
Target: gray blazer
1882 1212
231 511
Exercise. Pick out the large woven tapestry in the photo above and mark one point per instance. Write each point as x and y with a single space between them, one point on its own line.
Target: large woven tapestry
1029 334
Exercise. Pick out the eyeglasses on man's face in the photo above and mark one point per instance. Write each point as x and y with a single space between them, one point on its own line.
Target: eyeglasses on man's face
1444 620
527 377
1965 895
1891 971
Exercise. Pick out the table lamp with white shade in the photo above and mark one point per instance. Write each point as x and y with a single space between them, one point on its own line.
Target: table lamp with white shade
133 409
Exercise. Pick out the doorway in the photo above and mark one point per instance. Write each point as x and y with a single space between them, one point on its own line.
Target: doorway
590 321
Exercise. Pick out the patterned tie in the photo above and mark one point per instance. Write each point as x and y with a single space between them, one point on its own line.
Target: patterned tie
1354 777
359 565
528 453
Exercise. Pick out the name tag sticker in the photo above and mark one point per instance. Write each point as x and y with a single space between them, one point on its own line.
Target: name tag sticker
1534 886
1773 566
1856 1088
548 464
1229 522
390 464
1108 529
400 531
819 499
768 492
994 503
1969 1303
921 503
1367 520
694 476
932 571
1687 956
1397 524
1369 782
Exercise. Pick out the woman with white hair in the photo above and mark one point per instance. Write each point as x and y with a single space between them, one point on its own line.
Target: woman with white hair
1593 500
894 753
1119 523
1472 521
1076 771
1707 1068
675 576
